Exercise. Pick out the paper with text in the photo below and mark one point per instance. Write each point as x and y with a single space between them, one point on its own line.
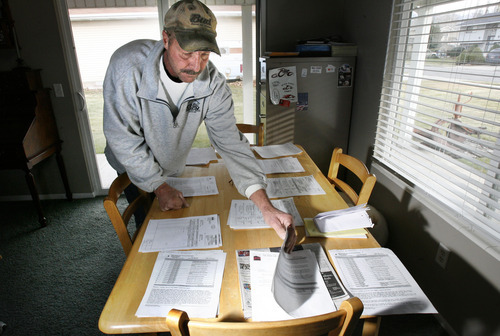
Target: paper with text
244 214
302 293
194 186
335 288
381 281
272 151
187 280
197 232
293 186
281 165
200 156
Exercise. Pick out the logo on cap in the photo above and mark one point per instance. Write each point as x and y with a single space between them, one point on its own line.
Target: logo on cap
198 19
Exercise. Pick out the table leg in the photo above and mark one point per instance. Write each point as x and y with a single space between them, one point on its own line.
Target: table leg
371 326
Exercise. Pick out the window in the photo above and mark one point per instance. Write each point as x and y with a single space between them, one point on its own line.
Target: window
439 115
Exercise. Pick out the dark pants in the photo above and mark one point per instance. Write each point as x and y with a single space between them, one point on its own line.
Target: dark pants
131 193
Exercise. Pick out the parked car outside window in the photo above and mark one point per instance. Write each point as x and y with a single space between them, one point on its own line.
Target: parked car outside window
493 56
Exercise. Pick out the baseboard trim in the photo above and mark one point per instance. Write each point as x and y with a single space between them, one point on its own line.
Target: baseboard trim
45 197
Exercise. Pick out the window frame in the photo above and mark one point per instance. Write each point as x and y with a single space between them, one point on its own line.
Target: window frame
398 121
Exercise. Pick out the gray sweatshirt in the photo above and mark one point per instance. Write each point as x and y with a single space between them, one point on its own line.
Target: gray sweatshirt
144 139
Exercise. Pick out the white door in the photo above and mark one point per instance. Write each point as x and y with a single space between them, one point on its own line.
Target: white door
92 34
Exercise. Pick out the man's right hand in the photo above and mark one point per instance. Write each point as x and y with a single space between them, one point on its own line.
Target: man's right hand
170 198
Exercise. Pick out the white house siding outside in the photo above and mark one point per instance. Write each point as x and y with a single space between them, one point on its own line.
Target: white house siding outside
480 31
97 33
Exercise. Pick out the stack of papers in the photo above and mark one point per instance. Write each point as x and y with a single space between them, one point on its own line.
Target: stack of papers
345 219
198 232
312 231
244 214
273 151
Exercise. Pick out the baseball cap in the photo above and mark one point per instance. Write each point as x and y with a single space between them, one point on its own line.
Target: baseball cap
193 24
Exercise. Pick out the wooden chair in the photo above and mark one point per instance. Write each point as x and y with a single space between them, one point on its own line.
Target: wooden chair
340 322
257 129
120 220
357 167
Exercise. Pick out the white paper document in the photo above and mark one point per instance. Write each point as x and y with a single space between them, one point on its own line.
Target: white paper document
293 186
200 156
345 219
381 281
194 186
281 165
287 287
186 280
199 232
272 151
335 289
244 214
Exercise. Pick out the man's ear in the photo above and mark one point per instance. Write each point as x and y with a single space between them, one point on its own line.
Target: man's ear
165 39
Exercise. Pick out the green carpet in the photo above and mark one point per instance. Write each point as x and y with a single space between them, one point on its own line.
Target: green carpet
56 280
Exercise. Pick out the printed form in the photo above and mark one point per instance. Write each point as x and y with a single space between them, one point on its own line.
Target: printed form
187 280
201 156
194 186
273 151
281 165
197 232
293 186
244 214
381 281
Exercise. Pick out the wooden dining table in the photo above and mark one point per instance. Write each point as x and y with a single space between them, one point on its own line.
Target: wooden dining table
118 315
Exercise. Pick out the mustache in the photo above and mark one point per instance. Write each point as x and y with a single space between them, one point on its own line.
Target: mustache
191 72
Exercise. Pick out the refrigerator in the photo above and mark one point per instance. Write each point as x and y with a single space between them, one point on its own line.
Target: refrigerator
318 118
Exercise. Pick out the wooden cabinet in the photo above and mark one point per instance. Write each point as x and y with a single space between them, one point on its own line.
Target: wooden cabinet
6 26
28 130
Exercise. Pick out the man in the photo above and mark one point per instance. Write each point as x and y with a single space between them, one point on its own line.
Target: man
157 93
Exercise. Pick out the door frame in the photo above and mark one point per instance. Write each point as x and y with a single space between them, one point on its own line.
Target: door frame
78 96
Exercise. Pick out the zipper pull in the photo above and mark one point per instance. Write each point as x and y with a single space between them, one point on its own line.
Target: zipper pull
175 123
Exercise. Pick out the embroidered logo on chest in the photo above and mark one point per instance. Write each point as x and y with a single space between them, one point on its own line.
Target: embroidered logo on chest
193 106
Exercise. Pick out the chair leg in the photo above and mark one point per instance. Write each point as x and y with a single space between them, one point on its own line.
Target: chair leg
371 326
36 199
64 176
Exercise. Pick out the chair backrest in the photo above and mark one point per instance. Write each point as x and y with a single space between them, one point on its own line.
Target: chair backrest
120 219
257 129
357 167
340 322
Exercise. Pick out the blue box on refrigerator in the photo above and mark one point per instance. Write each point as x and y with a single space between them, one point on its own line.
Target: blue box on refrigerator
313 49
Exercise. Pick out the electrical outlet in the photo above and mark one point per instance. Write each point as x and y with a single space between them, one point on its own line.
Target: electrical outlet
442 255
58 90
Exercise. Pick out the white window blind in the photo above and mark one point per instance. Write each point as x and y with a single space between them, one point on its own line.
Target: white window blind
439 115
